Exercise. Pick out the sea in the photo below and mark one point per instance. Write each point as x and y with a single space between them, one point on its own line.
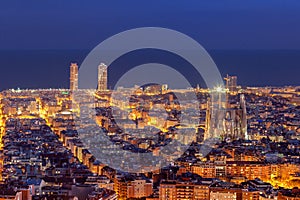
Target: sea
50 68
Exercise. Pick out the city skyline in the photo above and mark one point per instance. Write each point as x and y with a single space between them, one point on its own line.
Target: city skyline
269 29
42 139
235 63
150 100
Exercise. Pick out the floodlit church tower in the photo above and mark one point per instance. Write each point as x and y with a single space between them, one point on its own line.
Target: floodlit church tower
102 77
73 76
216 106
235 122
226 116
244 116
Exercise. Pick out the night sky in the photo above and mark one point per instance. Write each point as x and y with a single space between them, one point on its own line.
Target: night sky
257 40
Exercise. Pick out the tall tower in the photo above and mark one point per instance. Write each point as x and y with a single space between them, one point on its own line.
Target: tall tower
244 117
215 114
231 83
73 76
224 119
102 77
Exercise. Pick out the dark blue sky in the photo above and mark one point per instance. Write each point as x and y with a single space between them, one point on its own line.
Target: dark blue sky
79 24
216 24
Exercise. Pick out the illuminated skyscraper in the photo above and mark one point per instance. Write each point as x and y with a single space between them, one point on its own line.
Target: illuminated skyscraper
231 83
102 77
73 76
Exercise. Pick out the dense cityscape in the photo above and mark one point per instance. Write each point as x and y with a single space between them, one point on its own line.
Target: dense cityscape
256 155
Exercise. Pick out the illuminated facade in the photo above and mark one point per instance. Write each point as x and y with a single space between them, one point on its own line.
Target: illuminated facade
216 105
235 122
224 119
102 77
250 170
231 83
132 188
173 190
205 170
73 76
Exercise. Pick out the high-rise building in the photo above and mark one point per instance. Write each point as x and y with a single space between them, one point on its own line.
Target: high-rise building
102 77
73 76
231 83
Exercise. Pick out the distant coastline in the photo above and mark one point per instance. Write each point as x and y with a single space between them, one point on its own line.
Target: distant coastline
49 68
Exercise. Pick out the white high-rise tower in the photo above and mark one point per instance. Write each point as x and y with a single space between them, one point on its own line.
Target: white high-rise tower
102 77
73 76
